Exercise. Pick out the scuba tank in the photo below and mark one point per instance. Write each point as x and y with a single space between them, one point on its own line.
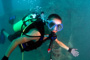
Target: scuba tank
28 19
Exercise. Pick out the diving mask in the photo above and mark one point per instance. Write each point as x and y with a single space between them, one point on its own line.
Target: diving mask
53 26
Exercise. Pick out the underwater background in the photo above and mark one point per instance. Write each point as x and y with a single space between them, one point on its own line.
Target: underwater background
75 16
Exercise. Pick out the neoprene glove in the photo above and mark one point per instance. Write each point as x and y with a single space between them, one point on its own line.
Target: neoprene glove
5 58
73 51
52 36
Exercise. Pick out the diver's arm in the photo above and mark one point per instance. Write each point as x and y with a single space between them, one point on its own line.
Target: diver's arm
62 44
21 40
73 51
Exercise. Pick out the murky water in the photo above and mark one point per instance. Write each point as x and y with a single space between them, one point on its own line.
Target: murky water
76 21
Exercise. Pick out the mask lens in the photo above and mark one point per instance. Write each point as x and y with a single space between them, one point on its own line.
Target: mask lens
51 24
59 27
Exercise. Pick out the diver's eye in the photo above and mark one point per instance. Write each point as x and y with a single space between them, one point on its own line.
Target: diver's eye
52 24
58 26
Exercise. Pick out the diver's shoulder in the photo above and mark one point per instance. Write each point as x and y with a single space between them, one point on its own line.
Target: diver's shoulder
34 31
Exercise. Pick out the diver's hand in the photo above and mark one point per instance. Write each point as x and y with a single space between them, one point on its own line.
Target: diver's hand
52 36
74 52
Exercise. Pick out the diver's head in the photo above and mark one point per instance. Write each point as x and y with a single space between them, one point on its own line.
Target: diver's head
54 23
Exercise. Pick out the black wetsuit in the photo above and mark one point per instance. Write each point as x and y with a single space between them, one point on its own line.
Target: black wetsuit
31 44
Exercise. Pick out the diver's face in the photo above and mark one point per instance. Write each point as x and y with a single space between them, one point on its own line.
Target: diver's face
55 24
56 21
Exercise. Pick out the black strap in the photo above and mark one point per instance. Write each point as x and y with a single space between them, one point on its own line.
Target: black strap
70 49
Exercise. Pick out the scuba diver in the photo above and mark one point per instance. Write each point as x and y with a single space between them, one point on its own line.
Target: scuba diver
30 36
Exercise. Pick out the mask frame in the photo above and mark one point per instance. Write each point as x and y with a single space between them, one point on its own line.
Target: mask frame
52 25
